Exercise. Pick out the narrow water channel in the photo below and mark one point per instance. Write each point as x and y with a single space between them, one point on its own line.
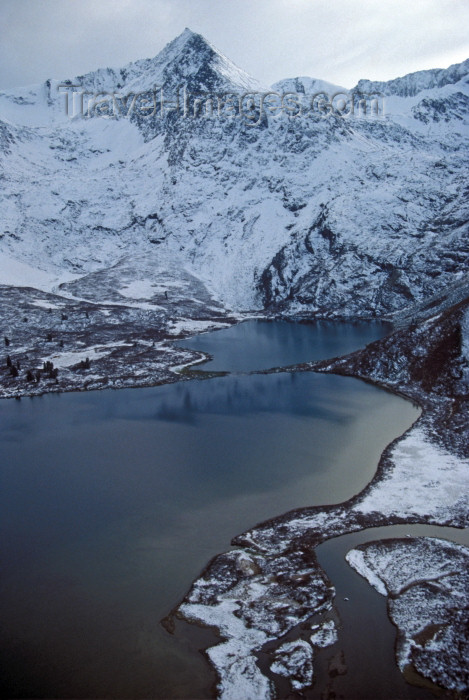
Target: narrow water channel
367 637
112 502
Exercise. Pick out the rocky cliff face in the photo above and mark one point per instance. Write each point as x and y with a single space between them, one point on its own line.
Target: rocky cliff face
296 206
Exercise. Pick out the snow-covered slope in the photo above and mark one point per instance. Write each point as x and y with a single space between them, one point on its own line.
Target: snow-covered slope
413 83
313 211
306 86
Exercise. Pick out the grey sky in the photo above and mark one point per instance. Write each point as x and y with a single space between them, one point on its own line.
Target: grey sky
336 40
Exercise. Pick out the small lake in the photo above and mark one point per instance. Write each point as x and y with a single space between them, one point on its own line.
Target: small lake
112 502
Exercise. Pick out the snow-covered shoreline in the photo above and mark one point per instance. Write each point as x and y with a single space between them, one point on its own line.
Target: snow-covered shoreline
96 338
426 581
272 582
273 545
422 477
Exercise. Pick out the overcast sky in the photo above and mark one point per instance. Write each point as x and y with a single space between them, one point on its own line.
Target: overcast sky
336 40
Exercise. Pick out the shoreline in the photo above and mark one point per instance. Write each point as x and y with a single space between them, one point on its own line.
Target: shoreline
240 581
167 364
178 371
254 565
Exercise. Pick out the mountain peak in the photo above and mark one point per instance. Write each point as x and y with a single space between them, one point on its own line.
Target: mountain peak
191 58
182 40
188 32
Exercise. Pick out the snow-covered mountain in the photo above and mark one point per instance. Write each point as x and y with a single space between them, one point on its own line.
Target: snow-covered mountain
306 209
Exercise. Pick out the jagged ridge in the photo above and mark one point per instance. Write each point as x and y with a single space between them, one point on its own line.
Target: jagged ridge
307 214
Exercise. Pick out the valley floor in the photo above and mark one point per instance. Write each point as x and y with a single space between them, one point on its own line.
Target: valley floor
84 337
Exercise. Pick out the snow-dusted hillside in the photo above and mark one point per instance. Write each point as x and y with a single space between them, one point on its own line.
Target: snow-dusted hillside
316 213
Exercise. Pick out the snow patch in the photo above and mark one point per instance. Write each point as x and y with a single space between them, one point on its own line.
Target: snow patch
294 660
188 325
43 304
240 677
15 273
356 559
324 635
93 352
138 289
425 480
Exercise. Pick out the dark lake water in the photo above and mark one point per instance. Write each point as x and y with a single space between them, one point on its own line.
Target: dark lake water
257 345
112 502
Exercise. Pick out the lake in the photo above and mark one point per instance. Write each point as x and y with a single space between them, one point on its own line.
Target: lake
112 502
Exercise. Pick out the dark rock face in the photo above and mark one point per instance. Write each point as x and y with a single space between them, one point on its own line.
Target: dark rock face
454 107
6 139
